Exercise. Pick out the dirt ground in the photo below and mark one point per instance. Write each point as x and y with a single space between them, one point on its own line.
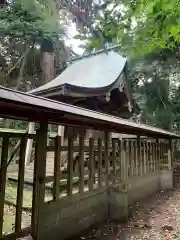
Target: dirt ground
157 217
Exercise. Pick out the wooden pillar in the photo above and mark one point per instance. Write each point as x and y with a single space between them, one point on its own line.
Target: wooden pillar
39 177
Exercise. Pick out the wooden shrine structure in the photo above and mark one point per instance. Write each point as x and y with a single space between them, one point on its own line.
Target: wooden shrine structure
97 82
132 168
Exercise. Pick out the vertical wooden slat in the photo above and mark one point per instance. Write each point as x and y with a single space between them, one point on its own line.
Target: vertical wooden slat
151 156
120 156
145 156
129 151
124 164
106 156
3 169
142 157
114 159
100 162
91 163
81 164
39 177
20 185
170 154
157 155
139 155
136 158
126 148
70 167
57 165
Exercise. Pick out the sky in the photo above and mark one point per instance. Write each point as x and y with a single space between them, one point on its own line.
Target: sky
74 43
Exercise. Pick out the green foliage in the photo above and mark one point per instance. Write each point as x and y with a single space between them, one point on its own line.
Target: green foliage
29 19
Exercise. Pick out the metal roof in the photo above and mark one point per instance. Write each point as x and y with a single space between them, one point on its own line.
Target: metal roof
92 72
15 104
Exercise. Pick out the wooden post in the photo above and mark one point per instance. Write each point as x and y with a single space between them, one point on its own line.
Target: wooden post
3 169
81 164
39 177
70 167
57 164
91 163
20 185
170 154
100 162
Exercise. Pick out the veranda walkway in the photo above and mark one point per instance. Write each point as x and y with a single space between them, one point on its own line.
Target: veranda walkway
125 172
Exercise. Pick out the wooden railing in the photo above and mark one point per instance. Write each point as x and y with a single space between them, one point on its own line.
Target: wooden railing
111 162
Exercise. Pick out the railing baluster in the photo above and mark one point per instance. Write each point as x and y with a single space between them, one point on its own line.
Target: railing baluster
81 164
114 159
106 156
70 167
20 185
57 165
145 156
136 158
100 162
91 163
3 169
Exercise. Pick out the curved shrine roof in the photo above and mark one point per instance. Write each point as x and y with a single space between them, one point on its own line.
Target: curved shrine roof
88 73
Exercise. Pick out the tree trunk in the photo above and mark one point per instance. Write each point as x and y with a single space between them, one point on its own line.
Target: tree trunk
47 62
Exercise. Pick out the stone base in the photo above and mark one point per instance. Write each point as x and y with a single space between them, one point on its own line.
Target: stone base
118 204
166 179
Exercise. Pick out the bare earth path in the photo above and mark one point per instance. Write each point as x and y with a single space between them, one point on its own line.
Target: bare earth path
157 217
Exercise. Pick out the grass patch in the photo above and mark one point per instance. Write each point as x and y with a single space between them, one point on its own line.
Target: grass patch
11 195
8 223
